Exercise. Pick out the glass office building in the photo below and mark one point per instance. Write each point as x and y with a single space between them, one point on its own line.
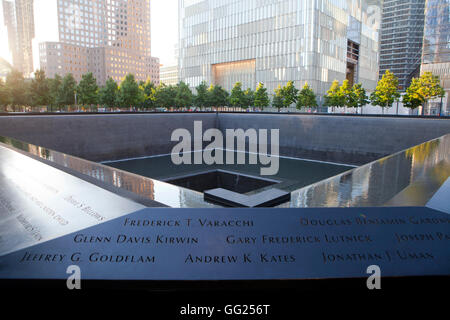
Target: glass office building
436 48
401 39
314 41
18 17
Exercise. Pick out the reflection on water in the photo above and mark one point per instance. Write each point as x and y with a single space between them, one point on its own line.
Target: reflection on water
158 191
409 177
293 174
376 183
423 151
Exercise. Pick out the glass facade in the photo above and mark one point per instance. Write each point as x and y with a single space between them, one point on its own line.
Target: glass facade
303 41
19 20
401 38
436 47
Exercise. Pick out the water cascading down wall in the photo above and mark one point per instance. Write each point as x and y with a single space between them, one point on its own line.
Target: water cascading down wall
342 139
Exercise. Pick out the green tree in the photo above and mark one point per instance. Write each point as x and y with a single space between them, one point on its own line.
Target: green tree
261 96
4 99
217 96
289 93
87 90
306 98
66 92
148 90
345 93
358 97
184 96
333 98
249 98
278 100
17 89
54 89
201 98
164 96
237 96
130 95
412 101
40 90
423 89
108 94
386 91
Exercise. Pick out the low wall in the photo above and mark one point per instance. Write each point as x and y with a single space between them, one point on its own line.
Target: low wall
344 139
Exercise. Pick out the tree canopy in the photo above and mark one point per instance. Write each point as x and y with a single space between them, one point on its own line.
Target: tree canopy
17 89
4 97
60 92
87 90
55 87
285 96
423 89
386 91
201 98
358 97
217 96
306 98
40 89
237 96
66 92
129 93
184 97
333 97
148 89
108 94
345 93
249 98
289 93
261 96
277 101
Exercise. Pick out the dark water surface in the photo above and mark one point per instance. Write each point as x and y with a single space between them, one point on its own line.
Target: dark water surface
293 173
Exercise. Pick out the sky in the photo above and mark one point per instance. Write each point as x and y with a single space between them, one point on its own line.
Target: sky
164 24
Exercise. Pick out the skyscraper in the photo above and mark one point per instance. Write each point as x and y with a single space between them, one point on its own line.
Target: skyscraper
224 41
401 38
109 38
19 21
169 75
436 47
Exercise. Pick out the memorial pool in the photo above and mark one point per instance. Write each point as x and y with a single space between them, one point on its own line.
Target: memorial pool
293 173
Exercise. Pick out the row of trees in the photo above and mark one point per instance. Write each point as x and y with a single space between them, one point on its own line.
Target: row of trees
61 92
420 92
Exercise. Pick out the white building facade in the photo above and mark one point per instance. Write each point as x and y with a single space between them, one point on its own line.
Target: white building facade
436 50
274 41
169 75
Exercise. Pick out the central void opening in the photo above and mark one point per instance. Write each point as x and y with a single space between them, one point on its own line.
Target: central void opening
246 178
236 182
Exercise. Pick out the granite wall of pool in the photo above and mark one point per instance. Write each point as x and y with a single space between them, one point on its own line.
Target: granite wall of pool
343 139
